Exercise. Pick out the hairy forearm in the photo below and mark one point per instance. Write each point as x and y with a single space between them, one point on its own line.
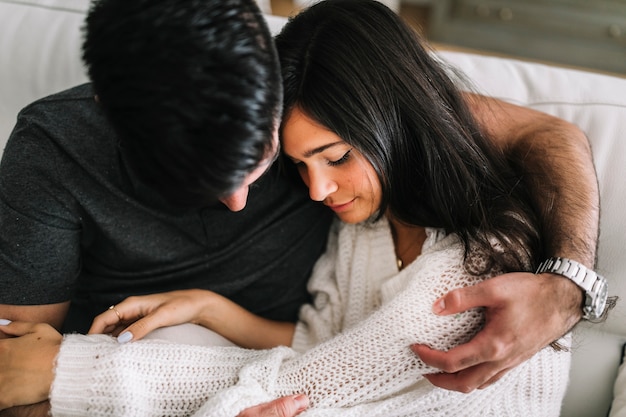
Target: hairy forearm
564 188
555 159
563 185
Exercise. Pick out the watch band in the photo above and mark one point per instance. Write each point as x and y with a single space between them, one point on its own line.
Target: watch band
583 277
594 285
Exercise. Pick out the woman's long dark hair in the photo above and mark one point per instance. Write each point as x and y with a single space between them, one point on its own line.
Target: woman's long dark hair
355 67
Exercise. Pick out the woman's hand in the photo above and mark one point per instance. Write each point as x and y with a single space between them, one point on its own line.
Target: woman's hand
282 407
150 312
205 308
27 362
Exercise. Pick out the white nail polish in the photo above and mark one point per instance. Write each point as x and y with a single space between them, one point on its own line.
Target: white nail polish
125 337
4 322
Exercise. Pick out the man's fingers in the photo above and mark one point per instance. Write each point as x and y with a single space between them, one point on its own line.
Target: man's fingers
463 299
466 381
456 359
513 303
495 378
473 365
282 407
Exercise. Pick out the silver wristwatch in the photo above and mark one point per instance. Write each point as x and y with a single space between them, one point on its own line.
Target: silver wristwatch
594 285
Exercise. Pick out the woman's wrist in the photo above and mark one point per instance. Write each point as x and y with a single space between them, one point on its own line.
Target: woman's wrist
211 310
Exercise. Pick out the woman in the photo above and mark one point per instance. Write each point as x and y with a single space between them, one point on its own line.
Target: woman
380 134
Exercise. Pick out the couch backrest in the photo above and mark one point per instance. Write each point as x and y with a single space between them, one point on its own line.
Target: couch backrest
39 53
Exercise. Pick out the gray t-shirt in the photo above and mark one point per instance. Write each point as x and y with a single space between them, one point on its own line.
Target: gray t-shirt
75 224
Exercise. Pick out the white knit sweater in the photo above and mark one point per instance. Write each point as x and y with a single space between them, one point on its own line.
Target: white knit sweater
350 352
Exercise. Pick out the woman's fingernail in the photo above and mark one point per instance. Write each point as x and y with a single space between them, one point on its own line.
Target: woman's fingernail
4 322
125 337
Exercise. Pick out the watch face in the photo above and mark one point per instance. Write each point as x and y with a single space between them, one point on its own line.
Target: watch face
603 294
599 301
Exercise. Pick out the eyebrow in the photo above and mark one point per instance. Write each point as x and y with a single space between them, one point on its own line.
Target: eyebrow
322 148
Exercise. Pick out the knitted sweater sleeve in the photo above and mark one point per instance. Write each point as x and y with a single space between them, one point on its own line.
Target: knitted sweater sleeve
367 363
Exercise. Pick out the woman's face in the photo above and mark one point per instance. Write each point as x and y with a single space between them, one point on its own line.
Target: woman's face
336 174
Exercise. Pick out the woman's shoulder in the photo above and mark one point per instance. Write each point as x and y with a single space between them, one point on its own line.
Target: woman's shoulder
476 259
438 240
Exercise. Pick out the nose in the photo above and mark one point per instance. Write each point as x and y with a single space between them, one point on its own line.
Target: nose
237 200
320 185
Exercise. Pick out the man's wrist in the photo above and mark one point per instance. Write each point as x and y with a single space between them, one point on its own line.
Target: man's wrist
593 286
571 297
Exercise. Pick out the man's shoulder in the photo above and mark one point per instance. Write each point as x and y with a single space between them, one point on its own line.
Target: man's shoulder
63 111
64 132
67 118
74 94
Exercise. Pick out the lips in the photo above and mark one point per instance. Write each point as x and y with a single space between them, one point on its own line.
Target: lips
338 208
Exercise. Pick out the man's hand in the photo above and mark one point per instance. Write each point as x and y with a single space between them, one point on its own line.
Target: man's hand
524 313
26 362
53 314
41 409
282 407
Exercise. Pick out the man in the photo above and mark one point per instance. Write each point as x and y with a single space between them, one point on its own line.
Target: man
130 186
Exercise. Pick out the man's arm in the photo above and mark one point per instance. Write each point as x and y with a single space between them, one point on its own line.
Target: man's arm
53 314
556 156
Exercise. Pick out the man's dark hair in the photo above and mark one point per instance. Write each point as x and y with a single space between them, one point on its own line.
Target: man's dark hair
192 88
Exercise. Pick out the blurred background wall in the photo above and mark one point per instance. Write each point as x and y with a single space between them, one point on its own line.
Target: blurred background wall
589 34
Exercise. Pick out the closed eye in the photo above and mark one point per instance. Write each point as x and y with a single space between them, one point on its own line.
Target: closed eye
341 160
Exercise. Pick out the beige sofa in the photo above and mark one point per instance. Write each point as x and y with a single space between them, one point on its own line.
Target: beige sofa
40 54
